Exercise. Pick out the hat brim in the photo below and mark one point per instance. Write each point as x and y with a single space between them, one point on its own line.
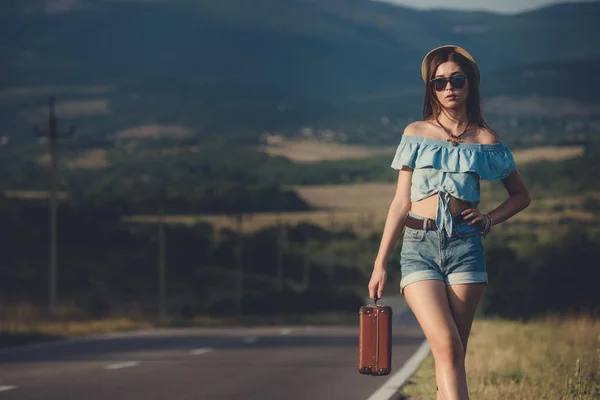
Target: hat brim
429 56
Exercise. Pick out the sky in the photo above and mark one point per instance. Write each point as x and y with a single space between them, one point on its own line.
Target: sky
501 6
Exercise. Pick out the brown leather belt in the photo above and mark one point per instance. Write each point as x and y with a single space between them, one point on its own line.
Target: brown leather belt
430 224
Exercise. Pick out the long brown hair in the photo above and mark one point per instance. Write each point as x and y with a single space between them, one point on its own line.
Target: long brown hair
431 105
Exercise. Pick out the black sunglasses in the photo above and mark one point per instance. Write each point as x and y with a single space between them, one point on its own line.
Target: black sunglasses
456 81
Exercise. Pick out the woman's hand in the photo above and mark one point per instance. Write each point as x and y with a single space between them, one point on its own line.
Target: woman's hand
476 215
378 278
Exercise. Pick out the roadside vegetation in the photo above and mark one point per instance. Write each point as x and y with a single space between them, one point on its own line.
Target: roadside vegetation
551 357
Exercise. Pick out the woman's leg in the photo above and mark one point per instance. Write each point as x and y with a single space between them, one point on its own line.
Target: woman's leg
464 300
428 300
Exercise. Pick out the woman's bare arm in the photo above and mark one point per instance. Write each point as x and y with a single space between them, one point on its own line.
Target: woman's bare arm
518 199
396 216
394 224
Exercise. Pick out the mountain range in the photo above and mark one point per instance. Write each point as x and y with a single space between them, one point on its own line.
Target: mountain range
250 66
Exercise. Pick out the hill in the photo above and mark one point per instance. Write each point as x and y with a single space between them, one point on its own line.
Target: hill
245 67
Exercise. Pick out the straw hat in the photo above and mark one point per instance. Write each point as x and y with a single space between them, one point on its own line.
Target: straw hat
457 49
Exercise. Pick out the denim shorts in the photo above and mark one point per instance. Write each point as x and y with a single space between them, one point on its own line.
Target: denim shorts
457 259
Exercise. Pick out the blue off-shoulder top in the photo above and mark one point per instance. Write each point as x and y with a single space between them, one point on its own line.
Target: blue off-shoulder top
440 167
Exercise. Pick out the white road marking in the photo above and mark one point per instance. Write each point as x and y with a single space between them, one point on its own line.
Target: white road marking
125 364
285 331
250 339
394 383
7 388
197 352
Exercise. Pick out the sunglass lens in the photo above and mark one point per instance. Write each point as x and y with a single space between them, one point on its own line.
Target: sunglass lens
439 84
458 82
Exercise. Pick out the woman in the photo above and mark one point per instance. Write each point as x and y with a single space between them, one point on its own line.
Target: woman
440 161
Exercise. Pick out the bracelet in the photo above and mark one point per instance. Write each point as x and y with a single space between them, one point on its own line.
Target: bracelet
482 231
488 225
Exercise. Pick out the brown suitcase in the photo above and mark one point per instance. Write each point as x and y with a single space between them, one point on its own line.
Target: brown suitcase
375 340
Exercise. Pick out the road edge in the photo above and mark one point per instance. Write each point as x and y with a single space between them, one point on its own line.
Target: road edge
392 386
74 340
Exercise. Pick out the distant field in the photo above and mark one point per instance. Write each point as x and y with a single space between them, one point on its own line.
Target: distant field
153 131
363 208
33 194
314 150
376 198
359 196
301 151
98 158
90 159
549 153
360 222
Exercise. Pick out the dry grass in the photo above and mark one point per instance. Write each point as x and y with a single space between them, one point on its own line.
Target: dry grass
555 358
95 158
23 323
360 222
361 196
165 151
314 150
33 194
378 195
91 159
547 153
153 131
68 329
376 198
364 208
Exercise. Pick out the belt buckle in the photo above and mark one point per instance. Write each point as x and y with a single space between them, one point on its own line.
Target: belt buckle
425 224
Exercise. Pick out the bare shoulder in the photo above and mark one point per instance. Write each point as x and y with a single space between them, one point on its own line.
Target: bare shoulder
416 128
487 136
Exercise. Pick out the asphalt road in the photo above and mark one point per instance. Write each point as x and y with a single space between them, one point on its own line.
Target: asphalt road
263 363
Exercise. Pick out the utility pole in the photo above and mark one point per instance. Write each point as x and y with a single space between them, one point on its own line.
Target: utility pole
53 135
239 218
306 263
281 234
162 264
